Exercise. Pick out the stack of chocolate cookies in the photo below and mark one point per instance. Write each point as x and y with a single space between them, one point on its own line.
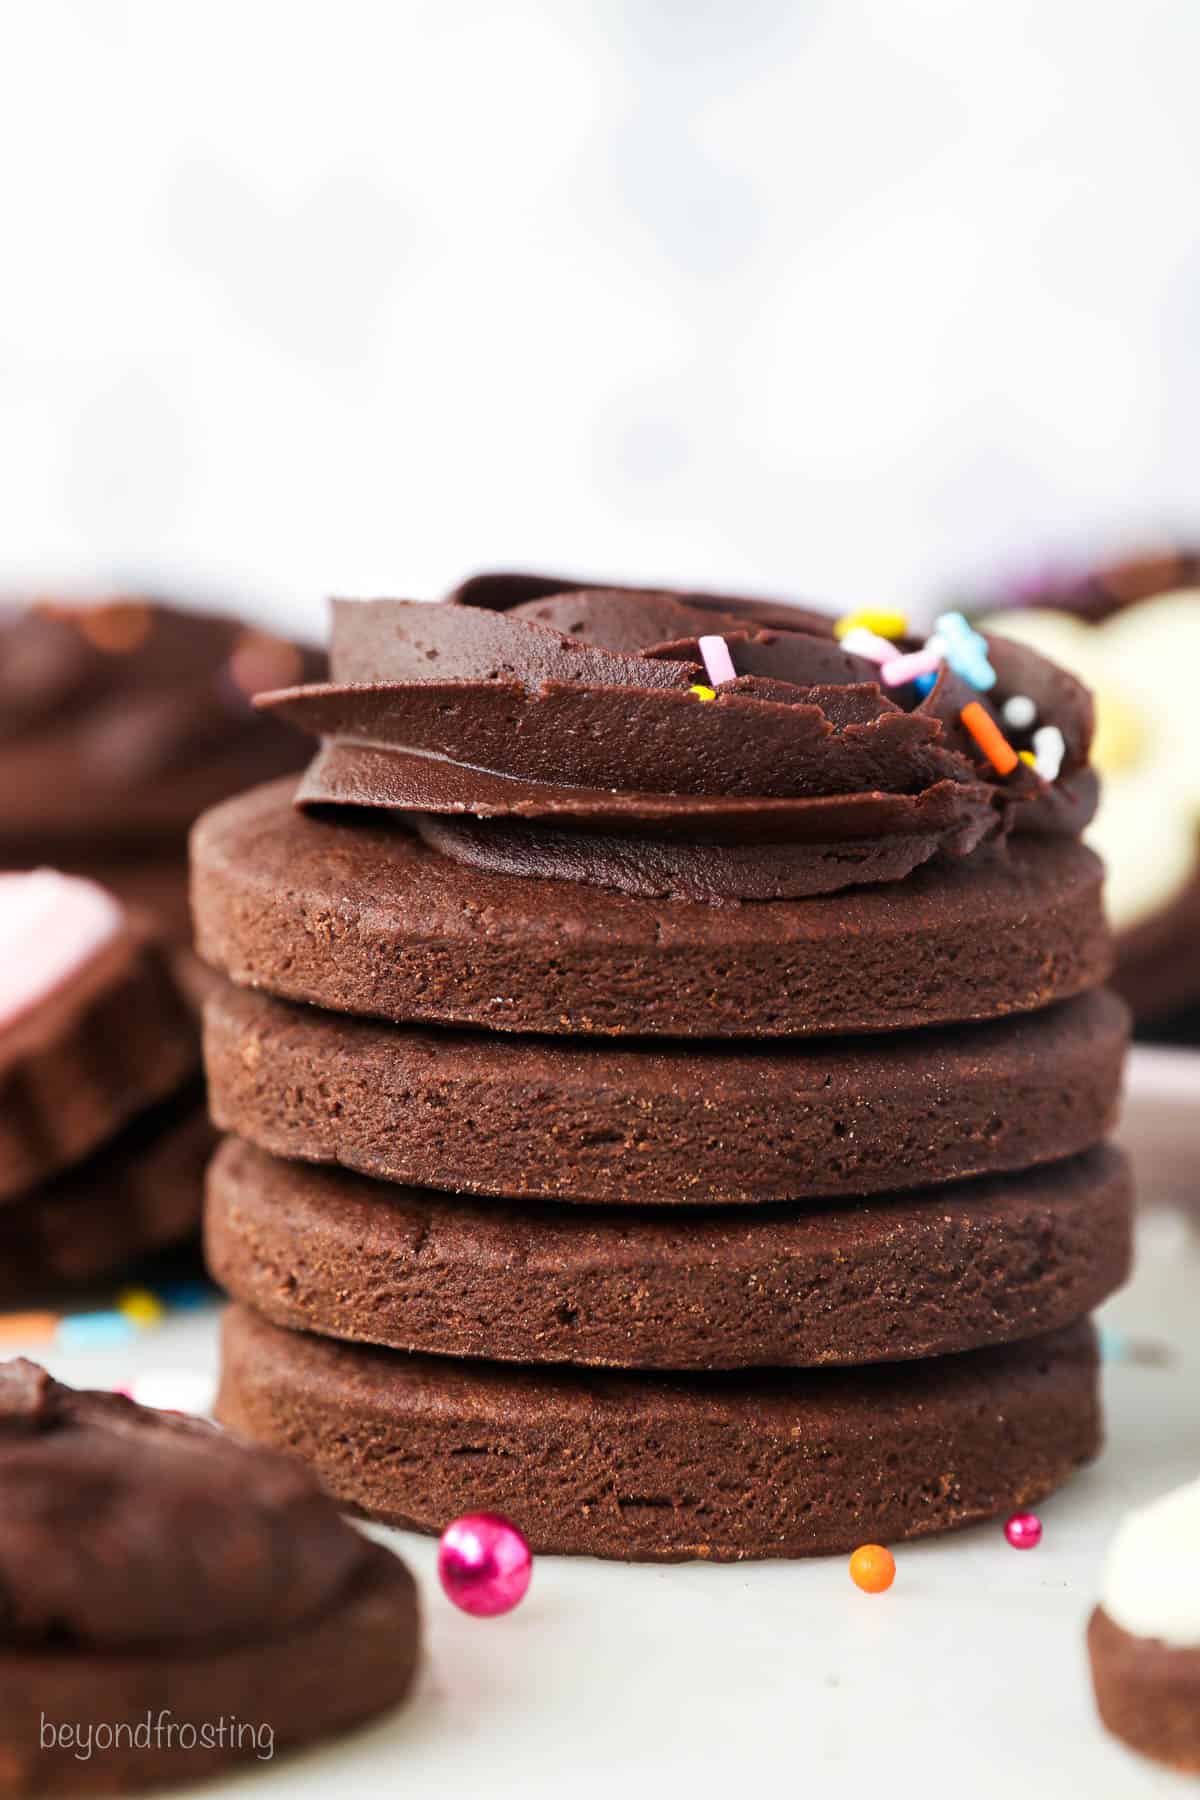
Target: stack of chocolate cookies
666 1072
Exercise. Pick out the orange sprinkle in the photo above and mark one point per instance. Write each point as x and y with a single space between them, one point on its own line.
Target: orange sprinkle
872 1568
989 737
27 1327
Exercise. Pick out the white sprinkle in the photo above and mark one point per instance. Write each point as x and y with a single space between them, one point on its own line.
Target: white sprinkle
1049 748
1020 712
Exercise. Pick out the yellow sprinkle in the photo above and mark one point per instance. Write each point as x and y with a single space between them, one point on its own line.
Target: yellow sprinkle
703 693
140 1307
1027 756
883 624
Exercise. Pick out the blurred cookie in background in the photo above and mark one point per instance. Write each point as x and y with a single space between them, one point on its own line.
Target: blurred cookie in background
122 719
102 1132
1131 631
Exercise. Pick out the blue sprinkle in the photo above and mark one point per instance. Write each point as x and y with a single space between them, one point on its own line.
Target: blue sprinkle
185 1295
1114 1345
924 684
94 1331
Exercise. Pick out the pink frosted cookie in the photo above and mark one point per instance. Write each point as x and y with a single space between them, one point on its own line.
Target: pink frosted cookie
92 1026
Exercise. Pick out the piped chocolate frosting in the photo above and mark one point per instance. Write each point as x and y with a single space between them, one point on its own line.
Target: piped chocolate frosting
537 726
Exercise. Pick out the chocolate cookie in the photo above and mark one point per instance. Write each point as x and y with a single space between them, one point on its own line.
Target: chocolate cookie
1147 1692
667 1468
93 1027
123 720
151 1566
1144 1637
141 1193
985 1262
362 917
653 1123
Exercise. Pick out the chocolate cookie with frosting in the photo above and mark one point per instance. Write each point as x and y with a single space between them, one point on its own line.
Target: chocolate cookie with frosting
1144 1636
172 1601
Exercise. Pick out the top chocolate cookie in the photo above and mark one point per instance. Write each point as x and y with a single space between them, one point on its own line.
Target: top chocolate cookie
675 744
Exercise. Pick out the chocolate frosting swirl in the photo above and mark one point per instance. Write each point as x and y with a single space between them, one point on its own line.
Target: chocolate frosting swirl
541 726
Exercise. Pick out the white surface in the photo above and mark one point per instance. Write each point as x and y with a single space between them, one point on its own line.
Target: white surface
843 298
968 1678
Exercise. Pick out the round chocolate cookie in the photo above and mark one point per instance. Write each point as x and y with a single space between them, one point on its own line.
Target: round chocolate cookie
536 1118
656 1467
154 1570
93 1026
989 1261
1144 1637
141 1193
361 917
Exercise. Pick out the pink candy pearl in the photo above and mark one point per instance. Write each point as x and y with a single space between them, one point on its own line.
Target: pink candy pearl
484 1564
1024 1531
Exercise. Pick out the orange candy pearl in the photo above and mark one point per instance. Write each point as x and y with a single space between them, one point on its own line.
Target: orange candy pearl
872 1568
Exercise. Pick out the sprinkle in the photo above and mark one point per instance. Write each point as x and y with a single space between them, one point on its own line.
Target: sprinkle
141 1307
1024 1531
27 1327
1028 758
920 662
1019 712
872 1568
966 651
989 737
885 624
174 1390
717 660
187 1295
861 642
94 1331
925 684
1049 747
703 693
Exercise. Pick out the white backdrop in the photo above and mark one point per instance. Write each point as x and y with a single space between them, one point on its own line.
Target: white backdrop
839 297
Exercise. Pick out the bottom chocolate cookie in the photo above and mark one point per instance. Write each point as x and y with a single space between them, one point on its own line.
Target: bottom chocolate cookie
666 1468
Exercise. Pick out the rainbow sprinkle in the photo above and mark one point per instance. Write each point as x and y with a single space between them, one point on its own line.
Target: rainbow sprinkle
861 642
717 661
703 693
988 735
920 662
882 623
1049 748
966 650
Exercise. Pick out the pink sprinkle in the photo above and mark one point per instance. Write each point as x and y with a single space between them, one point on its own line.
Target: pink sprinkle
861 642
717 660
920 662
1024 1531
